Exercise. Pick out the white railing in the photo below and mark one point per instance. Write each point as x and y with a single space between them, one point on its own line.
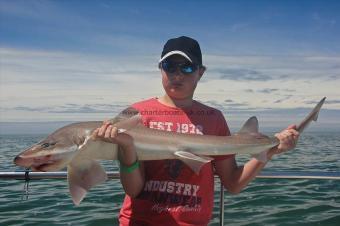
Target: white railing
29 175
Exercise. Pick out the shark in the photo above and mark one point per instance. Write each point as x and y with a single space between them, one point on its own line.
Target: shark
74 148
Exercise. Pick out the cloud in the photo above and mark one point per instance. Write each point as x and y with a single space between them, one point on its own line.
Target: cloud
229 105
327 102
87 108
41 84
283 99
273 67
72 108
267 90
238 106
278 101
228 101
28 109
53 66
240 74
236 113
289 90
333 101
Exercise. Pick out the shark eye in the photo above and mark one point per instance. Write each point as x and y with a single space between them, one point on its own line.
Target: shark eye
46 145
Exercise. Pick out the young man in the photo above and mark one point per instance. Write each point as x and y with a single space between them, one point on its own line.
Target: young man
167 192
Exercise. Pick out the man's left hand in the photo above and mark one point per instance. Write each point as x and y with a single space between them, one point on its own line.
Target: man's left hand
288 139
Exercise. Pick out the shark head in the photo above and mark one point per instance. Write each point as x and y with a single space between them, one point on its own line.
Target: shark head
52 153
47 155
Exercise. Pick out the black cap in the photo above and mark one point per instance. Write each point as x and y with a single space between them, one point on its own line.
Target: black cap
184 46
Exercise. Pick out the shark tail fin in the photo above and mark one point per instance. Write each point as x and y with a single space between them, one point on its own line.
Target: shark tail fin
250 126
312 116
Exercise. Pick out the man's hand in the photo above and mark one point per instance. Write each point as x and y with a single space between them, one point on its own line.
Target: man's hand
288 139
109 133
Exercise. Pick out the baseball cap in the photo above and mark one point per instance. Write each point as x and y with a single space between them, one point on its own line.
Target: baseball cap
184 46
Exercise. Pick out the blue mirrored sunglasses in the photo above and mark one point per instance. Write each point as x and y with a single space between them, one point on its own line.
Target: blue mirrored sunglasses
185 68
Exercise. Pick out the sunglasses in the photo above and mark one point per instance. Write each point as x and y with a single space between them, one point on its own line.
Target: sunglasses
171 67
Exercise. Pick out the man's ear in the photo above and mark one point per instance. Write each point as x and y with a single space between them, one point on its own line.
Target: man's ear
201 70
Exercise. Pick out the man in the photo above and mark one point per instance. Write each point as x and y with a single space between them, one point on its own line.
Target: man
167 192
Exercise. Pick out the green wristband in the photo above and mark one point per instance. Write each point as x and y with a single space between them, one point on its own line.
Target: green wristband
129 169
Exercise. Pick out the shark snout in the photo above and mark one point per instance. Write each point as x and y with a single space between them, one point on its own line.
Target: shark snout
20 161
29 161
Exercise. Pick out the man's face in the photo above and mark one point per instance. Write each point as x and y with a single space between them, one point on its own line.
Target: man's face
179 85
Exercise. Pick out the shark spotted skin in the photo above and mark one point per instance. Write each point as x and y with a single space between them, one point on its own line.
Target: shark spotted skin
72 146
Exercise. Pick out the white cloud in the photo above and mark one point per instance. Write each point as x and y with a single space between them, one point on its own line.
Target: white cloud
31 78
295 79
49 80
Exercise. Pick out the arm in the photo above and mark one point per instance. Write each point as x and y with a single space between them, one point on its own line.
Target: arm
132 182
234 178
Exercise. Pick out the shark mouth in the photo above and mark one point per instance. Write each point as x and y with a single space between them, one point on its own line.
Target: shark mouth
47 166
41 163
42 166
46 162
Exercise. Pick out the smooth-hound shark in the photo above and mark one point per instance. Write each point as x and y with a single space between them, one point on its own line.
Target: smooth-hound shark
72 146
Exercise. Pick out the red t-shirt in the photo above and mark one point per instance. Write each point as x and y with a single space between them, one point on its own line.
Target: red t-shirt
173 194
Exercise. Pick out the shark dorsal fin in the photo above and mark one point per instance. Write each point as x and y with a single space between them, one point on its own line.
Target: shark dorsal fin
129 123
250 126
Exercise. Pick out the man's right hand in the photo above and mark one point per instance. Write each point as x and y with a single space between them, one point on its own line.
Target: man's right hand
109 133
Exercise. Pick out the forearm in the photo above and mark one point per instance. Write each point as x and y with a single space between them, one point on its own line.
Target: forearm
243 175
133 182
133 178
235 178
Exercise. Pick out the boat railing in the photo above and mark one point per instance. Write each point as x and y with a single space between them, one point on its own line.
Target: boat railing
29 175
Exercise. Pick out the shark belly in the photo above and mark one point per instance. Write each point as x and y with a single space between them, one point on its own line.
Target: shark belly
96 149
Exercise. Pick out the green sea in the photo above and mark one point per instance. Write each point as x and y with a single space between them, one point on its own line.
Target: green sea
263 202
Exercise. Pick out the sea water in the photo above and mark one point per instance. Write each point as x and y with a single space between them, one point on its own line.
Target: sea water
263 202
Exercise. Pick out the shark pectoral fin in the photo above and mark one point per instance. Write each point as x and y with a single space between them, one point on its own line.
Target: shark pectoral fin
195 162
83 175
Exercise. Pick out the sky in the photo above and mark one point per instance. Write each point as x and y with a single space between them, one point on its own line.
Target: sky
63 61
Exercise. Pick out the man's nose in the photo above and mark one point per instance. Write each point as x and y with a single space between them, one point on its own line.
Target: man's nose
177 77
178 73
